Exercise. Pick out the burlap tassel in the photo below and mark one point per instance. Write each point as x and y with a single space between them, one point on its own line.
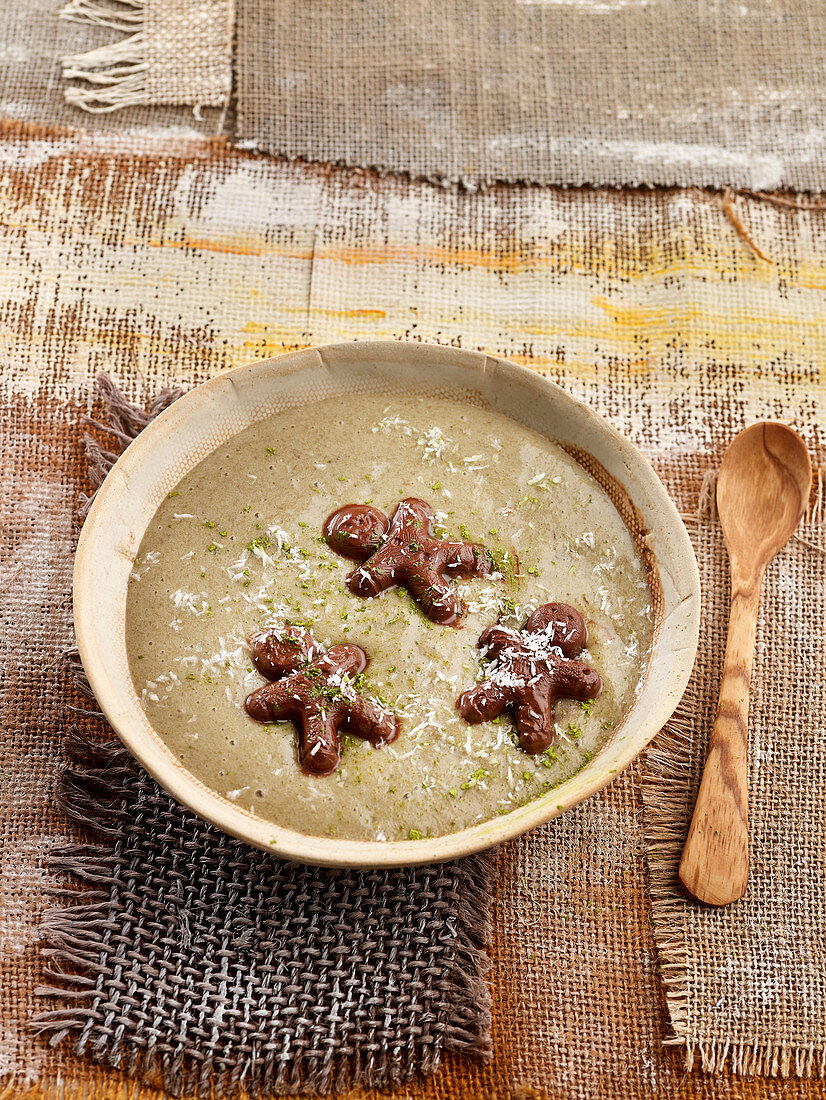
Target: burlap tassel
707 500
112 76
125 422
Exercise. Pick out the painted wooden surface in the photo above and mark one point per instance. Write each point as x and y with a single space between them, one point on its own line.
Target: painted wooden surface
163 262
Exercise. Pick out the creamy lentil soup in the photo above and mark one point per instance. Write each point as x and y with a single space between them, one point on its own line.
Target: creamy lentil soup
238 548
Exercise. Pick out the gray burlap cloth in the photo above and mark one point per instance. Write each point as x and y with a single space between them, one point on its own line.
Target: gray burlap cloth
192 961
619 92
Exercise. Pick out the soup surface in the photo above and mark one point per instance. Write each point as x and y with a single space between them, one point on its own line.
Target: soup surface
237 548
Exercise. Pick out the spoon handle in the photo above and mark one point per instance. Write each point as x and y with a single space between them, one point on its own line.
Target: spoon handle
715 864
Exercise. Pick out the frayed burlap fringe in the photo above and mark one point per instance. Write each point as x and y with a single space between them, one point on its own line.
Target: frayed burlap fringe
665 808
114 75
470 1018
172 52
816 512
99 789
125 421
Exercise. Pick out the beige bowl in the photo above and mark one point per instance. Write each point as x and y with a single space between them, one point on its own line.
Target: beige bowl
221 408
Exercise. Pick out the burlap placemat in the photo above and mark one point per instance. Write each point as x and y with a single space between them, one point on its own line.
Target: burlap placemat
194 962
747 983
165 52
619 92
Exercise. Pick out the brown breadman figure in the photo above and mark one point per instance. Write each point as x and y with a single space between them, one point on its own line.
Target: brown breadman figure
316 690
403 550
533 668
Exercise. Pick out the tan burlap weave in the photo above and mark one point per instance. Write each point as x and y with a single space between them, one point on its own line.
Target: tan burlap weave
550 91
160 52
165 266
748 983
33 41
617 92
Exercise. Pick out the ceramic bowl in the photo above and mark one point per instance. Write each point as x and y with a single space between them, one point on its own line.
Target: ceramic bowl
216 411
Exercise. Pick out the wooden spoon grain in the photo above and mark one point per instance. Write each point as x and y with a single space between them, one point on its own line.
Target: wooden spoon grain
762 490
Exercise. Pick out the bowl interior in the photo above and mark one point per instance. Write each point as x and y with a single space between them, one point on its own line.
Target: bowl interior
213 413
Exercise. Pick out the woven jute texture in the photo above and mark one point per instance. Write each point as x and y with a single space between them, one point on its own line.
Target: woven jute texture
192 960
550 91
32 89
759 997
162 266
165 52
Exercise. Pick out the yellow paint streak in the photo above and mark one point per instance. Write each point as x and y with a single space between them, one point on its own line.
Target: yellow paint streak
512 261
262 349
631 290
674 255
573 257
365 314
229 248
635 316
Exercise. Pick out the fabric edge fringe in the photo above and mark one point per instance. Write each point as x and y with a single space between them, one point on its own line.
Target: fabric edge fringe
469 1021
89 793
114 75
588 180
662 807
125 422
91 785
664 804
117 74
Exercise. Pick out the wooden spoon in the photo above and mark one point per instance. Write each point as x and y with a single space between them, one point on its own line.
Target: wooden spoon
762 490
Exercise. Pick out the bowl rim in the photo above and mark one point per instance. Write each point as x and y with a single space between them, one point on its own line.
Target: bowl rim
133 728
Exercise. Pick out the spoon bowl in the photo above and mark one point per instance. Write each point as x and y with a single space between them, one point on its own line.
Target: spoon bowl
762 490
